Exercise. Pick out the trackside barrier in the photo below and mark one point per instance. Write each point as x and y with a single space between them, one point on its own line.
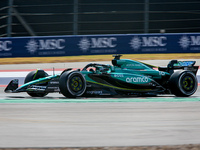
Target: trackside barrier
99 44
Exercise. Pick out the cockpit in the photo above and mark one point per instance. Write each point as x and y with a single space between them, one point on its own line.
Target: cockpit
98 68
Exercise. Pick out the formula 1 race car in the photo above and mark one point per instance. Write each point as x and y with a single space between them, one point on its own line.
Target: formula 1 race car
124 77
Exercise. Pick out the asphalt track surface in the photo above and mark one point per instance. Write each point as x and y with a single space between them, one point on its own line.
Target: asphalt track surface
55 121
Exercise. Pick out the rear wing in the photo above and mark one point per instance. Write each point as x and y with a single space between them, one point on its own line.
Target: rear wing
180 65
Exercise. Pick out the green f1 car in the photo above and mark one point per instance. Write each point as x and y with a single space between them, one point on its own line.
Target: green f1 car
124 77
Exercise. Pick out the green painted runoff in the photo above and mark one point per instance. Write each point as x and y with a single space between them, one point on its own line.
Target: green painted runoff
99 100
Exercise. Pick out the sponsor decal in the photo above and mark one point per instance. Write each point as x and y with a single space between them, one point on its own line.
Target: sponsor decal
34 45
118 75
55 89
133 65
184 42
135 43
94 92
154 41
192 42
5 48
54 82
137 79
185 63
98 45
5 45
150 43
84 44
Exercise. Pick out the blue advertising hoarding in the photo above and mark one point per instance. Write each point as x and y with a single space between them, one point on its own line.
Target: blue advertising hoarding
99 44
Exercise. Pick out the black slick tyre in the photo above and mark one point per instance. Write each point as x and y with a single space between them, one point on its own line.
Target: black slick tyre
72 84
33 75
183 83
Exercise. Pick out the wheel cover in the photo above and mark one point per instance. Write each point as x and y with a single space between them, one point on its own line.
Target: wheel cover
188 83
76 84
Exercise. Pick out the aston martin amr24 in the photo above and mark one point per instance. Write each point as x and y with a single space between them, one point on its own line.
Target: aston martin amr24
124 77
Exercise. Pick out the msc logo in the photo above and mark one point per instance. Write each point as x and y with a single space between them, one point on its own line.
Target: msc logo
103 42
5 45
135 43
186 41
152 41
48 44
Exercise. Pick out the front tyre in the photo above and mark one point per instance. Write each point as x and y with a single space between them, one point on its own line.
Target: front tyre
183 83
34 75
72 84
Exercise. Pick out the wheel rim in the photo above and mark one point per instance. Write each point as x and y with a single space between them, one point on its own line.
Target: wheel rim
76 84
188 83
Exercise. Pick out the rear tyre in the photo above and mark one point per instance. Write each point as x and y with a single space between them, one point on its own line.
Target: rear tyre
72 84
33 75
183 83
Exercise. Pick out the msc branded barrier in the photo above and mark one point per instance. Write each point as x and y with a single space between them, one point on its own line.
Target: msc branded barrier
99 44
